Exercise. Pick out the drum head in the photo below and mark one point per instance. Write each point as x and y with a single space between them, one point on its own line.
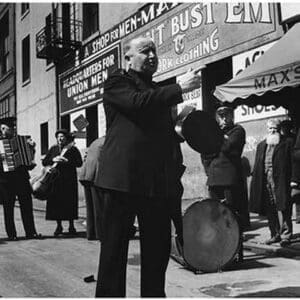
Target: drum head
202 132
211 235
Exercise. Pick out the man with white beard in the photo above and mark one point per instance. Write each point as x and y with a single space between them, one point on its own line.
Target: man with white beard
270 186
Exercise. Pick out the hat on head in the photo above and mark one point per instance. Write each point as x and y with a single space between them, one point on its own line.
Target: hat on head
224 110
9 121
288 124
273 122
63 131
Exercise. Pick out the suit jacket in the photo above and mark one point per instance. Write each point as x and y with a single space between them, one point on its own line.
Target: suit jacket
225 168
90 171
282 172
137 153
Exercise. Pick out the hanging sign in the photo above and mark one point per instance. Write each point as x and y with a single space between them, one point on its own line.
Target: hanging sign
83 86
205 32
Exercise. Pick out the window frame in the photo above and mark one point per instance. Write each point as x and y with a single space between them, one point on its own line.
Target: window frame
44 138
27 79
4 46
26 11
87 34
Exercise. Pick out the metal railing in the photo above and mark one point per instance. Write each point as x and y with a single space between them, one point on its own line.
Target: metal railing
59 37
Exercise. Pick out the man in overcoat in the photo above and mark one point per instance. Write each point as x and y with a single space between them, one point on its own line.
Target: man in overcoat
224 169
137 170
270 186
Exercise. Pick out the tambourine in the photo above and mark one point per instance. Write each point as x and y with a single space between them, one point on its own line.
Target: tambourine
199 130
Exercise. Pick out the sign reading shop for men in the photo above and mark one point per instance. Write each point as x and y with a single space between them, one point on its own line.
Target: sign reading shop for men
84 86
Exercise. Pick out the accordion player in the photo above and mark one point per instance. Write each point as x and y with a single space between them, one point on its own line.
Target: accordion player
17 151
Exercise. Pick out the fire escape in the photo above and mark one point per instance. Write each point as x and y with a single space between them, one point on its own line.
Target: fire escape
60 37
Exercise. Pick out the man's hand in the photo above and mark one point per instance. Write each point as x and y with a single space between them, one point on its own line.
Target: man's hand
293 184
190 80
60 159
31 142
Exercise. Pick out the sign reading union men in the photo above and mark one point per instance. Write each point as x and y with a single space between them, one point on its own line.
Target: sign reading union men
84 85
206 32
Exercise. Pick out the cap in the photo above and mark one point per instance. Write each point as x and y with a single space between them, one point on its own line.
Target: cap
9 121
224 110
63 131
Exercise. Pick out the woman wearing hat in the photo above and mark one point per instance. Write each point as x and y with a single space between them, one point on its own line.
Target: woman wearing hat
62 204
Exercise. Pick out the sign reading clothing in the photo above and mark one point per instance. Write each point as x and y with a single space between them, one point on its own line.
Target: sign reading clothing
84 86
210 31
244 113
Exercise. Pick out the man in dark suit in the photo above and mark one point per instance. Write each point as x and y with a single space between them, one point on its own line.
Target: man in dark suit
224 169
270 191
137 170
16 184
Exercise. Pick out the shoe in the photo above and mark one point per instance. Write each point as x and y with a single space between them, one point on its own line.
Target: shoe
285 242
12 238
58 231
72 231
35 236
273 240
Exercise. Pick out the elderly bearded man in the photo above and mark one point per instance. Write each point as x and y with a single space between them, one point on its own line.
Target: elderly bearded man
137 170
270 186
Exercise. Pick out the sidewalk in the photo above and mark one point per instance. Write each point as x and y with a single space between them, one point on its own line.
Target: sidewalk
253 238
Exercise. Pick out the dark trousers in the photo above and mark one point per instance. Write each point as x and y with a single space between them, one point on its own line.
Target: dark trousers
280 222
94 209
154 221
236 199
25 201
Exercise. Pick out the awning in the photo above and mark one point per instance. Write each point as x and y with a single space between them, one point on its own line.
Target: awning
277 68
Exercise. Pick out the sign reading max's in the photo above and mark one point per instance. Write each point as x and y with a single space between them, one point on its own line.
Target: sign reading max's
206 32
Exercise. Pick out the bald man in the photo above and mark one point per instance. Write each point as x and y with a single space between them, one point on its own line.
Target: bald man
138 170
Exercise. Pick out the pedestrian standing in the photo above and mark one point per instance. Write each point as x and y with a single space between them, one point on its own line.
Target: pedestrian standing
224 170
15 185
62 203
88 177
270 185
137 170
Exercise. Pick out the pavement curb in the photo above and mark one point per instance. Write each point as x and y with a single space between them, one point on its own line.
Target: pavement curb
271 250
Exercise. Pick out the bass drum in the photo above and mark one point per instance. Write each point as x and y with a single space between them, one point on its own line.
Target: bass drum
211 235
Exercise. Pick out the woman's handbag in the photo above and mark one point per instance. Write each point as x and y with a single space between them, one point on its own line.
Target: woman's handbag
43 184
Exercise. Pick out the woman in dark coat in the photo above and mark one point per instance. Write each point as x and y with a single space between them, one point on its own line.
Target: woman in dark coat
62 203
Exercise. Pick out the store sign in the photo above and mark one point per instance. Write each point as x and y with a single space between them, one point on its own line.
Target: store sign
206 32
192 98
243 112
139 19
84 85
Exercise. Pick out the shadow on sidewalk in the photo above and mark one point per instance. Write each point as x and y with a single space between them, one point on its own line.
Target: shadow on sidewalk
79 234
289 291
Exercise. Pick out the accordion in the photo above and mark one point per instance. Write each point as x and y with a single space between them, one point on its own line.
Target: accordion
16 152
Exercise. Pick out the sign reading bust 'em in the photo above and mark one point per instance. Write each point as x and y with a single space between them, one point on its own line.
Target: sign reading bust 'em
84 86
203 32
